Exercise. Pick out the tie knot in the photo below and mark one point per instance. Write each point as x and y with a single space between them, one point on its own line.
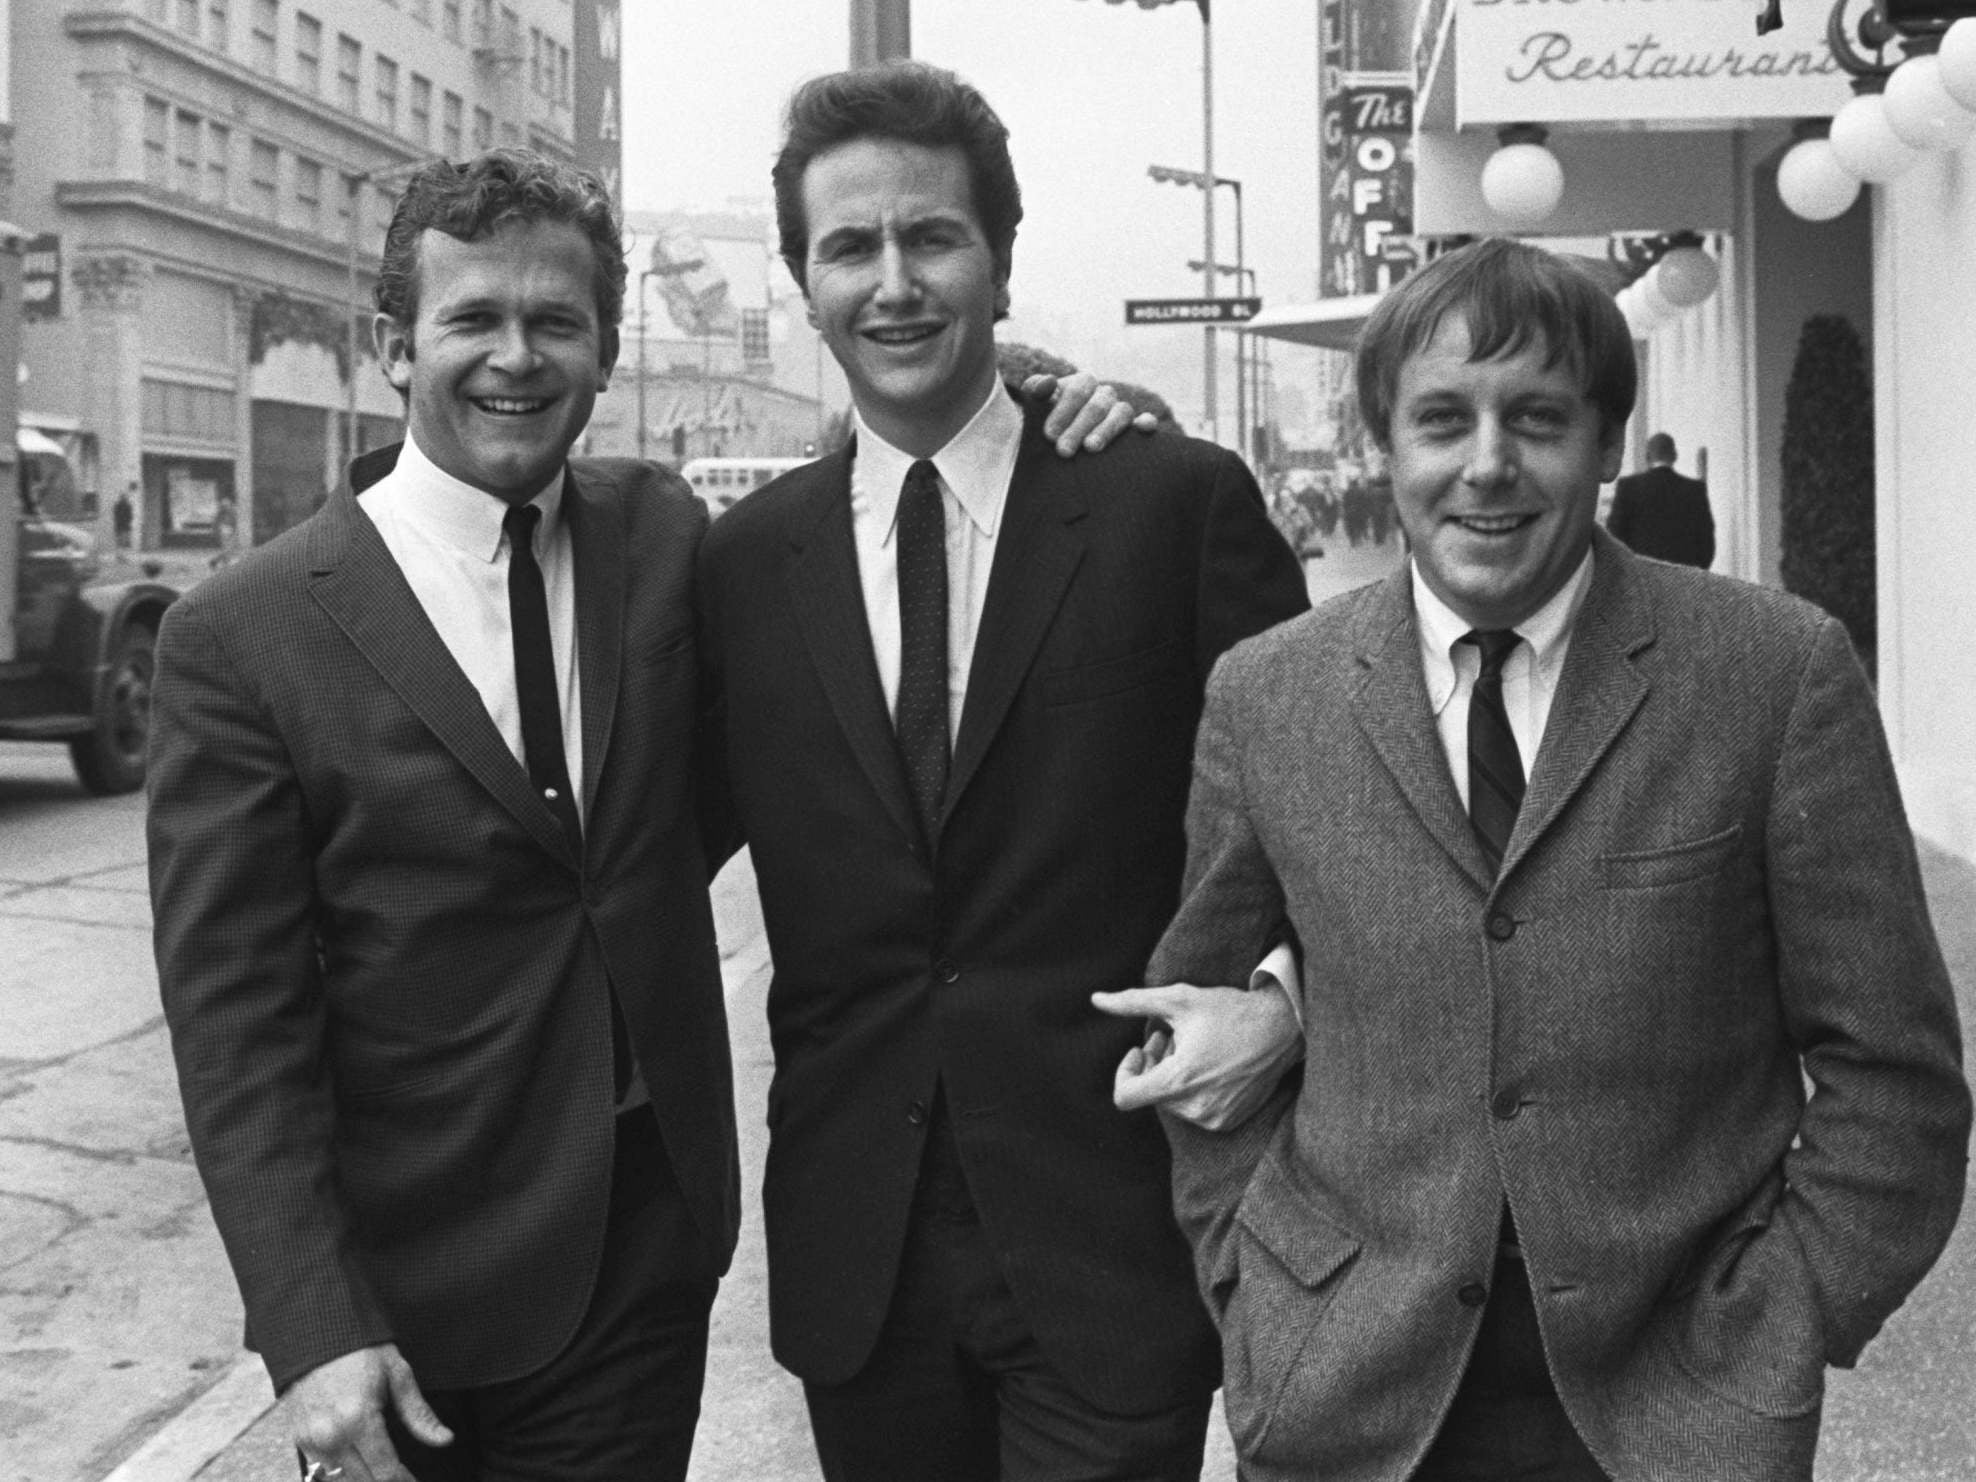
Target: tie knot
922 475
520 522
1496 644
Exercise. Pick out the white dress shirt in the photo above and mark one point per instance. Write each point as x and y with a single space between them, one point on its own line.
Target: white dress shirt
975 469
1530 673
446 537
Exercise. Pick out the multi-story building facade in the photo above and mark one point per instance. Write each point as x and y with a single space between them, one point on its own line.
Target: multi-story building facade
213 178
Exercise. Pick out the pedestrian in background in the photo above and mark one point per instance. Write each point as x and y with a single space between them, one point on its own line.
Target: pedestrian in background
1662 514
1632 1096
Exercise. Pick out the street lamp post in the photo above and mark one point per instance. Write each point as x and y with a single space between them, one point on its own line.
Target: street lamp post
1206 181
1248 396
642 277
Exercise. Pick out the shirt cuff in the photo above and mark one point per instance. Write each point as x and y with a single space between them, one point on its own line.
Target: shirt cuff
1279 971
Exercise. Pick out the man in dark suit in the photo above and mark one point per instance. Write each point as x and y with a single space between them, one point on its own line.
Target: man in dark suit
959 681
1661 514
431 914
1632 1097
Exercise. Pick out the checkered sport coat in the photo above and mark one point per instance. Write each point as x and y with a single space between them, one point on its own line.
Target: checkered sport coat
1710 908
384 970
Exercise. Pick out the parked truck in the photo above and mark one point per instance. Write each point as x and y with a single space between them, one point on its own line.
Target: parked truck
77 629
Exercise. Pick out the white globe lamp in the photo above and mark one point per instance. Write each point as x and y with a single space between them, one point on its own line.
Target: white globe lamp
1686 276
1957 57
1920 109
1522 181
1866 143
1813 184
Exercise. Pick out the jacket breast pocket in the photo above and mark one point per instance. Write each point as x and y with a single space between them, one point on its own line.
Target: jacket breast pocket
1115 676
1671 864
665 648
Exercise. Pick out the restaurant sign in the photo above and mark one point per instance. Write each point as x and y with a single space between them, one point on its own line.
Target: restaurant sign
1670 61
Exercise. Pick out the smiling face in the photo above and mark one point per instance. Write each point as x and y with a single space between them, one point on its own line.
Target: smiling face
903 286
506 355
1496 470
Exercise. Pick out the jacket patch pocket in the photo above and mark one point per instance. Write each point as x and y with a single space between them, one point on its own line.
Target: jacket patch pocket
1672 864
1115 676
1288 1258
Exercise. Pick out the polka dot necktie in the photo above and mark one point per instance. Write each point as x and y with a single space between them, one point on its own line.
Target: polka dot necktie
1495 767
921 717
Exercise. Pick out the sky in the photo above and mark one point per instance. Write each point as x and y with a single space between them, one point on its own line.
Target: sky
1092 94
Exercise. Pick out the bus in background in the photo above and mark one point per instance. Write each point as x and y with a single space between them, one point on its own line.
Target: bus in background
721 481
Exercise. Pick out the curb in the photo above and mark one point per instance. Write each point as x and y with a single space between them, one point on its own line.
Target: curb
204 1428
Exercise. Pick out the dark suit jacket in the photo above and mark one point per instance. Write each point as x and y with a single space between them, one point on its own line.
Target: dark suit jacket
1661 514
1117 580
385 972
1711 896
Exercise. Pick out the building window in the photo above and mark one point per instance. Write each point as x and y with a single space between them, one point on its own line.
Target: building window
754 336
349 59
510 136
422 12
344 198
535 84
483 130
483 23
157 10
263 169
186 136
387 93
449 125
157 146
216 24
421 111
188 17
219 160
562 77
308 195
201 413
449 19
308 54
261 43
510 33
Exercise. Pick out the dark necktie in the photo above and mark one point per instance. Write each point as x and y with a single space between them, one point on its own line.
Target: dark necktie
921 717
542 717
1495 768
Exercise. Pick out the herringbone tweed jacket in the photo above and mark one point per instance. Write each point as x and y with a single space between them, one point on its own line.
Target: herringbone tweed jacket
384 969
1710 902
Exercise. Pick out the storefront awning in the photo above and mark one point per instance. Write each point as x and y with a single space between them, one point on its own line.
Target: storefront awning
1329 324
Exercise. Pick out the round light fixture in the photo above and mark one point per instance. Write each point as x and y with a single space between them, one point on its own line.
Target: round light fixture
1522 181
1921 111
1686 276
1866 143
1957 57
1813 184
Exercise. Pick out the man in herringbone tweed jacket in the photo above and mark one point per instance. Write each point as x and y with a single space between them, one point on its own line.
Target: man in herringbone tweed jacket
1629 1106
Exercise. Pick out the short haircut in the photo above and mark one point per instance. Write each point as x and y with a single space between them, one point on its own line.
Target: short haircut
1660 448
912 103
1510 295
479 196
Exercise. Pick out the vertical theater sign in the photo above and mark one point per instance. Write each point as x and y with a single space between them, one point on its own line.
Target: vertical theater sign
598 85
1365 159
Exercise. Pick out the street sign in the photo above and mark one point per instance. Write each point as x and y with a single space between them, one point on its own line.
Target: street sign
1191 310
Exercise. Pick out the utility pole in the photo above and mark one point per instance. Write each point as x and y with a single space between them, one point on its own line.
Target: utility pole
881 31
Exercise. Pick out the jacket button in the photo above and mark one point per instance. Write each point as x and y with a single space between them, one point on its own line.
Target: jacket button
946 970
916 1114
1507 1104
1473 1295
1502 926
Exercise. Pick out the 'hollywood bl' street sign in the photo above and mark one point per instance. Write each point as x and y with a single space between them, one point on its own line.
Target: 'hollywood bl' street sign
1191 310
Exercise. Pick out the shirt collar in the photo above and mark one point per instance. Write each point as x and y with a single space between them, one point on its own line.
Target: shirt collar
454 511
975 465
1545 632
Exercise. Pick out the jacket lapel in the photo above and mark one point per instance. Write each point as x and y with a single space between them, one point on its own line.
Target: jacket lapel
1392 711
597 541
354 579
1597 694
829 601
1035 556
